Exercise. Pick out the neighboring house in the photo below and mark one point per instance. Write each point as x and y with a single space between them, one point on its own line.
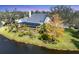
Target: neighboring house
35 19
65 25
2 22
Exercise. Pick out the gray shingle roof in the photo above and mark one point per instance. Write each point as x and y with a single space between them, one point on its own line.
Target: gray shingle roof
35 18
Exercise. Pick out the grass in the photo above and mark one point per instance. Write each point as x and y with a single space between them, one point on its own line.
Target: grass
67 42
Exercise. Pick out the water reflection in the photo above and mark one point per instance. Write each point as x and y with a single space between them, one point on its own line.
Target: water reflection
6 46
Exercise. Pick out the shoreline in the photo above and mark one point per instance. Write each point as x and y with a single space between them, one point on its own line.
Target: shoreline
56 51
32 42
41 46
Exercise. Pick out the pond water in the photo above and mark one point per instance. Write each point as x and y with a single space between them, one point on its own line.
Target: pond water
11 47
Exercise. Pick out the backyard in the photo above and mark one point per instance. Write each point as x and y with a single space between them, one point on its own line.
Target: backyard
67 42
58 29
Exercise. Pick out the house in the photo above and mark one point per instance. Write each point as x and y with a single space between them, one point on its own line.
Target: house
35 19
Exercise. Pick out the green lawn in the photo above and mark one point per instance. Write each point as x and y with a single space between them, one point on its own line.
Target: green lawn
66 42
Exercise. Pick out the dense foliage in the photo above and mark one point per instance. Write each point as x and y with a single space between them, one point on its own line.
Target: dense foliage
69 15
52 30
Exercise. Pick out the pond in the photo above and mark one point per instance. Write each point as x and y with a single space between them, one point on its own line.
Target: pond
11 47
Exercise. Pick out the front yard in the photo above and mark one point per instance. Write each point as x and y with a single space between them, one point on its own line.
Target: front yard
66 42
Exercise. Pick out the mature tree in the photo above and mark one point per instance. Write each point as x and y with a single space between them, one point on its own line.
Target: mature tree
65 12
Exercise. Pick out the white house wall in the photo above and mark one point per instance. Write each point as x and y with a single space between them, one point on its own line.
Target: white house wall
47 20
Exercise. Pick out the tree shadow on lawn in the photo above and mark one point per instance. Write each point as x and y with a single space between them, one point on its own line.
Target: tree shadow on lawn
73 33
76 43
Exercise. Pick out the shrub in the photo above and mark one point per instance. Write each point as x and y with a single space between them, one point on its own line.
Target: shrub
44 37
53 29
